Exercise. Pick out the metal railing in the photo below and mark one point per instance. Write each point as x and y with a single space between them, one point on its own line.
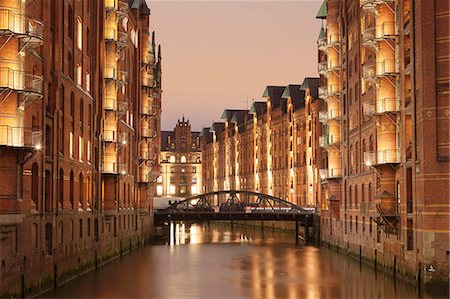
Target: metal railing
326 140
330 173
114 136
20 137
386 67
322 67
146 110
112 34
147 80
379 157
114 168
322 43
385 30
110 103
332 39
373 3
381 106
20 24
331 114
323 92
112 73
21 81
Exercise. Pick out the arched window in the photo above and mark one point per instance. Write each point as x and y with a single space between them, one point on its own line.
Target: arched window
71 189
351 195
48 191
371 149
183 159
61 189
81 191
370 193
96 229
363 193
172 159
35 184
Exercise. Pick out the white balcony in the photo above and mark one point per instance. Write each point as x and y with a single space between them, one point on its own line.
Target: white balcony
112 35
22 26
332 90
114 136
330 173
373 4
326 140
111 73
384 31
115 168
322 43
21 82
384 68
325 116
322 68
380 106
20 137
380 157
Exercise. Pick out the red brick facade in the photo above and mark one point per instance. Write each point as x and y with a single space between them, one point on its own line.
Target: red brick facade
80 90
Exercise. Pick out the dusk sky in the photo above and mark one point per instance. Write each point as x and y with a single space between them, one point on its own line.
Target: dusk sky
215 55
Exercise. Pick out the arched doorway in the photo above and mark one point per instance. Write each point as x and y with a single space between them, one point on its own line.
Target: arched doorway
48 191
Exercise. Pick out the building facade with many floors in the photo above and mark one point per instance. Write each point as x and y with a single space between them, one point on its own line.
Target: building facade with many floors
80 98
366 143
181 171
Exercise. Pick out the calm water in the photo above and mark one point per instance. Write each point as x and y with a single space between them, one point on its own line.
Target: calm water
225 262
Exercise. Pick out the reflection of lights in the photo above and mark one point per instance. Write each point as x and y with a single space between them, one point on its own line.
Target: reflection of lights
38 147
194 202
369 163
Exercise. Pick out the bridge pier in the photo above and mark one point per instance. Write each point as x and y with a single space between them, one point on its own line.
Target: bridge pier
296 232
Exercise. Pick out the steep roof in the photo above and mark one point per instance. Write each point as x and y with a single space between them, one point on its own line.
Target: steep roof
258 108
239 116
313 85
322 13
206 134
228 113
274 93
217 127
165 139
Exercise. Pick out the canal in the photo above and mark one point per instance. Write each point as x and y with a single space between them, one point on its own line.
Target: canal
219 261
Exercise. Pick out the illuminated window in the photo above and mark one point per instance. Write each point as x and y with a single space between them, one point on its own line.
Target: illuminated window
79 33
88 151
80 148
71 144
172 159
79 75
160 179
183 159
172 190
88 82
193 189
159 190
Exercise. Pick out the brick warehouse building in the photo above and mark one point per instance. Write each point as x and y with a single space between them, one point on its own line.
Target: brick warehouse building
181 171
366 143
80 98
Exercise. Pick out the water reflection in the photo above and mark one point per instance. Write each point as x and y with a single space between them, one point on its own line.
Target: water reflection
209 261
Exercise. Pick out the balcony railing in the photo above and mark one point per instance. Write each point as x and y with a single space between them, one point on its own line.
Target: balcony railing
386 156
21 81
323 92
21 25
114 168
147 80
325 116
148 133
386 67
118 37
368 4
322 43
380 32
114 136
112 73
20 137
330 173
332 40
322 67
381 106
146 110
327 140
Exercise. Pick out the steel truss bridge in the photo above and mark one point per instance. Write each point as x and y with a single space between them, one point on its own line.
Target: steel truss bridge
232 205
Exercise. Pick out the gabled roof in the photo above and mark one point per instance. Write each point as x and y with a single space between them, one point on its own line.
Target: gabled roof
165 139
322 13
313 85
239 116
274 93
217 127
322 34
206 134
258 108
228 113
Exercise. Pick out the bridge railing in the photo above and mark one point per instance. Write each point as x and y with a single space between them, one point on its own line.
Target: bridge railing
235 201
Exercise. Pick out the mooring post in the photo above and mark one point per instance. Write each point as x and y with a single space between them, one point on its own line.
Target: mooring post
174 232
296 232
